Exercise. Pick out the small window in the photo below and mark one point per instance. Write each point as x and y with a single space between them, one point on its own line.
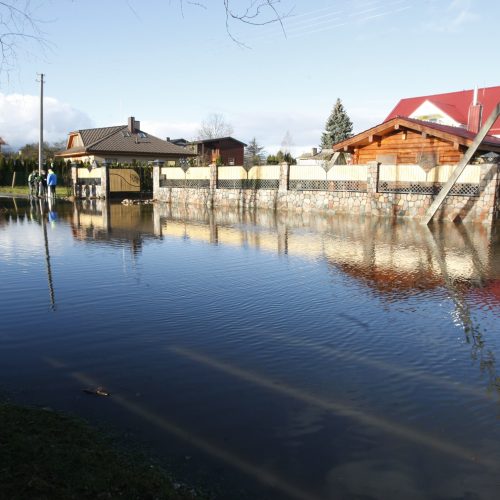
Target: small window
142 135
126 133
230 161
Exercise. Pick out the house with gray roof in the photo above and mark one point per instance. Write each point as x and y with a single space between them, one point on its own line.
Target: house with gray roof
120 144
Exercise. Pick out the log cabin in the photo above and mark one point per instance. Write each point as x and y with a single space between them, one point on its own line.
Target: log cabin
403 140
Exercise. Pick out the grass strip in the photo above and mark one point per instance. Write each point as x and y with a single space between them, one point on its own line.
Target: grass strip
47 455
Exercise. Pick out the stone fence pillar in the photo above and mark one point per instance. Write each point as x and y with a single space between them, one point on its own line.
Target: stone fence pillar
105 180
284 176
74 179
213 176
372 179
489 186
157 165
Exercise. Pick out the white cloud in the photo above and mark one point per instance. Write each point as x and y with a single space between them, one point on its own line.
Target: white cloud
20 115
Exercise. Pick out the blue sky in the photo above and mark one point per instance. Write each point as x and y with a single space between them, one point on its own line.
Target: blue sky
107 60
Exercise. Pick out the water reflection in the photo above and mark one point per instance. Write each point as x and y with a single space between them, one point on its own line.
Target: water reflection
40 211
392 259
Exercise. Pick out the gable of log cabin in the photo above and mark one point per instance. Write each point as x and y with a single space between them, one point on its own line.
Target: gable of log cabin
407 141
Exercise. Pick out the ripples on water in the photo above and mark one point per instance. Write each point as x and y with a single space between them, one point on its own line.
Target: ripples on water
290 356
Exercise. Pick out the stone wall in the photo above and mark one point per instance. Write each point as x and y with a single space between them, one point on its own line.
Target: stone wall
483 208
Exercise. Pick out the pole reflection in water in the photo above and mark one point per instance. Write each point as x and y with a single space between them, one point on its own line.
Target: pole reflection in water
52 217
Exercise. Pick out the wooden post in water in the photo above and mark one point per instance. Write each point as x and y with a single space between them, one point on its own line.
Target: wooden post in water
461 166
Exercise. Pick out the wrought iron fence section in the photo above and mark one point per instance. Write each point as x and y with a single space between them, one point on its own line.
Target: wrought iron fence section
314 185
248 184
463 189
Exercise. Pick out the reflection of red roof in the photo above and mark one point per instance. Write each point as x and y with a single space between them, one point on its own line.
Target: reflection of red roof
454 104
489 294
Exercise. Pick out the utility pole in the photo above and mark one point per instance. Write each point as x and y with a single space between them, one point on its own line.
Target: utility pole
40 142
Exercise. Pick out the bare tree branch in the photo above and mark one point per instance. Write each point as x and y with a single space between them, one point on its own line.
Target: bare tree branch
214 126
256 13
18 26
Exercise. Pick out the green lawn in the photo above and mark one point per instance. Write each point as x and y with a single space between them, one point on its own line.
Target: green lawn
46 455
62 191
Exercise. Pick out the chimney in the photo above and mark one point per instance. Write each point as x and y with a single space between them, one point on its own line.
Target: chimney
475 117
133 125
314 151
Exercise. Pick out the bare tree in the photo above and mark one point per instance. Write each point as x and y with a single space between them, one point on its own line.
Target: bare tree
287 142
18 29
214 126
255 13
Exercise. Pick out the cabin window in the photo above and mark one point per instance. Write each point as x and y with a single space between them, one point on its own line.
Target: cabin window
230 161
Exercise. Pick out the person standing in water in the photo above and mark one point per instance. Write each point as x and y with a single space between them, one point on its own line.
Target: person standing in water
33 183
51 183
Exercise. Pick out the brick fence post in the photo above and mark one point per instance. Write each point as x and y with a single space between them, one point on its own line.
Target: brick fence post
284 176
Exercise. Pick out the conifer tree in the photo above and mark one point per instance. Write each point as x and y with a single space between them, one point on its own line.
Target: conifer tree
254 153
338 126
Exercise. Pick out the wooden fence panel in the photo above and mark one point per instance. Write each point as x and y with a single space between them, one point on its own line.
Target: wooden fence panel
124 180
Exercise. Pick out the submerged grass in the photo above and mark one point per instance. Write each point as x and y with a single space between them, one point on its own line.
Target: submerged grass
47 455
61 191
15 190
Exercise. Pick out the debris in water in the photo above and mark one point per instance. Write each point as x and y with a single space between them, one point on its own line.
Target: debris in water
100 391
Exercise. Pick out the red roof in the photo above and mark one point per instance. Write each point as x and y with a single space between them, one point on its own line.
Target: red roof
461 132
454 104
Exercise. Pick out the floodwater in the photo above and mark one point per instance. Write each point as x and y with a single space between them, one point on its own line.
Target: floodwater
263 355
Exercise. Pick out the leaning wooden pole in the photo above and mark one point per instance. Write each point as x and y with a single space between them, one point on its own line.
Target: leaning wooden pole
461 166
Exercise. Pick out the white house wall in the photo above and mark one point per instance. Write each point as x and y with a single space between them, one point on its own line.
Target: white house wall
427 111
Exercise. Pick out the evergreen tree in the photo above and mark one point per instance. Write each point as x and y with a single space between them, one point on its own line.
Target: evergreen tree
280 157
254 154
338 126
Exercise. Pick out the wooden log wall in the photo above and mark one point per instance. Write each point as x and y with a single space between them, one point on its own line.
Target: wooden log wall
407 146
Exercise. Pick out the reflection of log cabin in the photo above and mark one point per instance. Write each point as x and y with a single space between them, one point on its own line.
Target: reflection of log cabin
390 259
